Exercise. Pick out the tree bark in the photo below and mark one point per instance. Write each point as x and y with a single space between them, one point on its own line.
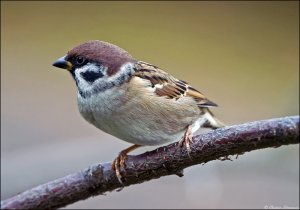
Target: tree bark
100 178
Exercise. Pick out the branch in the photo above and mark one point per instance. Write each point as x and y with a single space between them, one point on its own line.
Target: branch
100 178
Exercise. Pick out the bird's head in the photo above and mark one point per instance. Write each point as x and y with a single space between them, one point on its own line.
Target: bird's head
97 65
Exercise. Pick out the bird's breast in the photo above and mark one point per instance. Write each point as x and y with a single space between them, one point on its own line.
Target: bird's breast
101 106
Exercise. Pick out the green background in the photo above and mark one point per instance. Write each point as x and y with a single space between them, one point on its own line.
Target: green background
243 55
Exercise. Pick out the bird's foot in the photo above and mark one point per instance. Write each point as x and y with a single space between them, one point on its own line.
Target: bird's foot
119 163
186 140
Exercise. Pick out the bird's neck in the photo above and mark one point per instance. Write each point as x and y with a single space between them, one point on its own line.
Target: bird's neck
101 85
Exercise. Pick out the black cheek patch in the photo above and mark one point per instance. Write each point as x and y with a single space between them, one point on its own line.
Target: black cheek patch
91 76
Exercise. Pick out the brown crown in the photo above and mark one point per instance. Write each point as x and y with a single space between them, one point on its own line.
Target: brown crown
109 55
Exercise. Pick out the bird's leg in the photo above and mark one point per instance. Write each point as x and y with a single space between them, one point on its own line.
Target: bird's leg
187 139
119 162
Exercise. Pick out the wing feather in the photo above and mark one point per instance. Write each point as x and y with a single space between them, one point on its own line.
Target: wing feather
168 86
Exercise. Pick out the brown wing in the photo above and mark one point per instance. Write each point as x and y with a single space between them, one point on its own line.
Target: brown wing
168 86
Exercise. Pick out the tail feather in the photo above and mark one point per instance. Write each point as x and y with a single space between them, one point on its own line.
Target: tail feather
212 121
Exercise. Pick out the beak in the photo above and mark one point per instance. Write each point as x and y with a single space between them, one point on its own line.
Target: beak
63 63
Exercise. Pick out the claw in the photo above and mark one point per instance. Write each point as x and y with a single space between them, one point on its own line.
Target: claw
186 140
119 163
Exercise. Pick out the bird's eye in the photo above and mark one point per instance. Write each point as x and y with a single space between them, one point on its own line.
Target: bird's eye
79 60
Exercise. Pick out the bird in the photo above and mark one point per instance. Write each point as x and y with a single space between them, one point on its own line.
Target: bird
133 100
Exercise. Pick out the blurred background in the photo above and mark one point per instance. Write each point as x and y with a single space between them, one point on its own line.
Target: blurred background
243 55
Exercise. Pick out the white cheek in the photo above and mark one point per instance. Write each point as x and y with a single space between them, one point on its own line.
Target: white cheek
82 83
103 84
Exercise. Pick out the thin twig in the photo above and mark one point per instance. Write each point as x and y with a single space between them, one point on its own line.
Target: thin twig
100 178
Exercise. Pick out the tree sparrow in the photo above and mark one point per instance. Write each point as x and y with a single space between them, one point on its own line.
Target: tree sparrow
134 100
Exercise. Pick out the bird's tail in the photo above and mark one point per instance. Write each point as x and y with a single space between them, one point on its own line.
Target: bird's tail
212 121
